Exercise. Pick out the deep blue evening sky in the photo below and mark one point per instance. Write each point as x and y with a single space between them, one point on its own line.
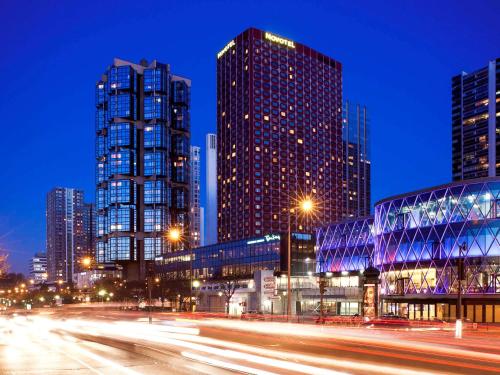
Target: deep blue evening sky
398 58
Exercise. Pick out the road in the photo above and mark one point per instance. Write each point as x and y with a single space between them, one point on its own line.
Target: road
103 341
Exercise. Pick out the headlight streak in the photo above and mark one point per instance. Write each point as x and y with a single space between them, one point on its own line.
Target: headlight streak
67 344
225 365
189 338
151 333
353 336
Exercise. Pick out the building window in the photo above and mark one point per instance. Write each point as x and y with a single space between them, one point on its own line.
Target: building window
119 134
121 105
155 163
155 136
119 191
118 248
119 219
155 219
120 162
155 107
153 247
155 192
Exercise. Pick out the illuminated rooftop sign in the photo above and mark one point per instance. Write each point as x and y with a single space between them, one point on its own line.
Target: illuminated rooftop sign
279 40
225 49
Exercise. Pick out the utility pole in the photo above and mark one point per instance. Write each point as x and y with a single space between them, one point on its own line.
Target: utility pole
462 249
322 287
150 318
289 273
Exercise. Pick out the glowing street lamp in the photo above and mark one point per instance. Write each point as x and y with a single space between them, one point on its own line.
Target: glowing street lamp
174 235
306 205
86 261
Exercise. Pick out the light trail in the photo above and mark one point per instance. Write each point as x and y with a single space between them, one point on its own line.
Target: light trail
286 329
225 365
204 344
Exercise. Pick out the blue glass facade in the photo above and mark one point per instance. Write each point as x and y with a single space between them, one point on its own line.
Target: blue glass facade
142 167
240 259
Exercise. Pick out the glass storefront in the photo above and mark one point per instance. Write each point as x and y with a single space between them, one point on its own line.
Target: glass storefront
473 312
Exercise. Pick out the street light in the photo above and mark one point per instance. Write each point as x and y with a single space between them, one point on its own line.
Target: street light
101 294
306 206
86 261
174 235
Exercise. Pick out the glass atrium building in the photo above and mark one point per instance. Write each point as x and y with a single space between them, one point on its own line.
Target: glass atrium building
241 258
418 239
142 162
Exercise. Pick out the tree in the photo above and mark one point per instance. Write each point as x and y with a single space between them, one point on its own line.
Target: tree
228 288
4 266
177 289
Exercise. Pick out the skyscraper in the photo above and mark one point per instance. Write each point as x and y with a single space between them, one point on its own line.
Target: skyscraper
142 160
89 222
356 191
194 189
211 190
279 135
38 268
476 123
67 233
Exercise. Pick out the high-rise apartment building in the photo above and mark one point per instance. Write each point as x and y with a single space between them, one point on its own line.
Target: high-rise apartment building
356 188
475 119
38 268
68 233
194 189
279 135
89 223
211 189
142 160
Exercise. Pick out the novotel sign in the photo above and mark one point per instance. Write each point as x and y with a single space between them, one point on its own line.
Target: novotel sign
225 49
279 40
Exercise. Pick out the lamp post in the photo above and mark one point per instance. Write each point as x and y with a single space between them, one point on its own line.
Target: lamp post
196 285
462 249
174 235
306 206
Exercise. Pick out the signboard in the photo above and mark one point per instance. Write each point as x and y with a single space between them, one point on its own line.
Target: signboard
225 49
369 300
279 40
267 284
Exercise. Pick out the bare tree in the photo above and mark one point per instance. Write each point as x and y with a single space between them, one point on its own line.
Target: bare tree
4 266
228 288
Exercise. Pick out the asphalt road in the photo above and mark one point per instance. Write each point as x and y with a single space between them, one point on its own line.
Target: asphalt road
103 341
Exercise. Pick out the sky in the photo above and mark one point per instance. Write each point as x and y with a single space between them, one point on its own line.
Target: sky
398 59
